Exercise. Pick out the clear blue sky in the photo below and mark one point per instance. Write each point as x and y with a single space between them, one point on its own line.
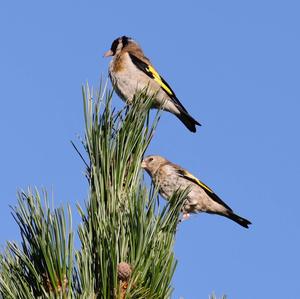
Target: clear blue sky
235 65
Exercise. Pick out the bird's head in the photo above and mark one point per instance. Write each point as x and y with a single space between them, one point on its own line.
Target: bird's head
152 163
118 44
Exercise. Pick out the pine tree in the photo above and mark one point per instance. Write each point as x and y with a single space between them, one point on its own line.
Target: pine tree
126 236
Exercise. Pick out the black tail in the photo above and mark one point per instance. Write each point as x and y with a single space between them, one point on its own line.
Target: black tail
240 220
188 121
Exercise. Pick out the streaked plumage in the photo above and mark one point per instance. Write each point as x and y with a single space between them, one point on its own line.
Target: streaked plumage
130 71
170 177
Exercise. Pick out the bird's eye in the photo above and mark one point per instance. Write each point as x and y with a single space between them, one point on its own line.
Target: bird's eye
150 159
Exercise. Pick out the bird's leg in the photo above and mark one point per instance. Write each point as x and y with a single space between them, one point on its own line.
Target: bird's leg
185 216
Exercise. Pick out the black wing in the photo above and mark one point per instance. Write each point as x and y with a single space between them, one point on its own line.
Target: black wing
150 71
185 174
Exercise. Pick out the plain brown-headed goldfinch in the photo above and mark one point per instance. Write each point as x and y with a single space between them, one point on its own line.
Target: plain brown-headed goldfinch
130 71
169 177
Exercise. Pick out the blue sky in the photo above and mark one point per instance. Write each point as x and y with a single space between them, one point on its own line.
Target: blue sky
234 65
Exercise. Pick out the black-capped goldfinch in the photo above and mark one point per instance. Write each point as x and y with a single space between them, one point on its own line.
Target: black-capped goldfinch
130 71
169 177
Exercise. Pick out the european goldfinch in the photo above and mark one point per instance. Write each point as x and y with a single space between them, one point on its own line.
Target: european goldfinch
169 177
130 71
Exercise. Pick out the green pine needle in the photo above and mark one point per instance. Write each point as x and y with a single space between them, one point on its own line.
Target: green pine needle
126 237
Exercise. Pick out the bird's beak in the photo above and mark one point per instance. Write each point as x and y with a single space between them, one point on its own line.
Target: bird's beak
144 165
108 53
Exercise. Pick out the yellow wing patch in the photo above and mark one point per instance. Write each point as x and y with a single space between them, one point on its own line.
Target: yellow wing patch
158 79
190 176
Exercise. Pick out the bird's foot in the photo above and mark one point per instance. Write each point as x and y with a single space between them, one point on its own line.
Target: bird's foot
185 216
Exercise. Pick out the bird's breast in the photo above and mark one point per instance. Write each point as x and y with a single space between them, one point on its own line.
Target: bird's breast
125 78
168 183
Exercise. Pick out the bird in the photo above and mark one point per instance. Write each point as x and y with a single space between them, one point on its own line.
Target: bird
130 71
169 177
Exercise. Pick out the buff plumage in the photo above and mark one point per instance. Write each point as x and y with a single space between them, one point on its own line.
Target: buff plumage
130 72
170 177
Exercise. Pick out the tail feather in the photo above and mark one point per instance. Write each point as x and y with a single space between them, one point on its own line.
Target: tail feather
188 121
240 220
